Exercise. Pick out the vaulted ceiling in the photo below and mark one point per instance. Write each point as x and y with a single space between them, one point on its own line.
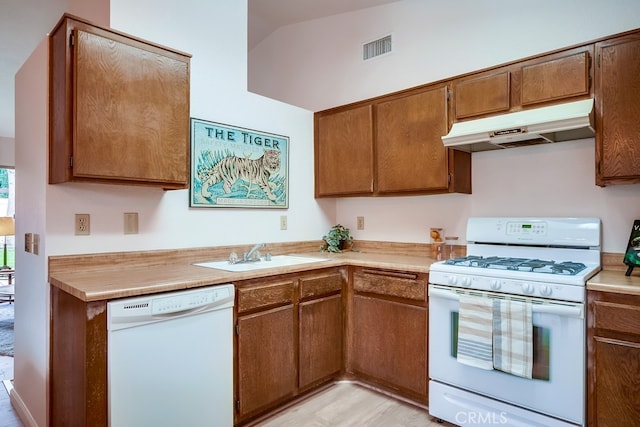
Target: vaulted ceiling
22 21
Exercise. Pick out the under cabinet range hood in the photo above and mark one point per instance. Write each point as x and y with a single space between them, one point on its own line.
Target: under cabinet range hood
562 122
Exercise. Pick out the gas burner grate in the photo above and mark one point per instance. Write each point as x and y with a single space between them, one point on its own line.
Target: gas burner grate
519 264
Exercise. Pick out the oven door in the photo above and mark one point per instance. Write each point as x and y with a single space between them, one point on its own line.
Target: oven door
558 385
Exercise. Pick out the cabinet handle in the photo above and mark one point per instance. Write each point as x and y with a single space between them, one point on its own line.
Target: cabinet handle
409 276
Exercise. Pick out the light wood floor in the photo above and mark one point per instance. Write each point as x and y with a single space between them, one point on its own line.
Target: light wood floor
8 417
347 404
343 404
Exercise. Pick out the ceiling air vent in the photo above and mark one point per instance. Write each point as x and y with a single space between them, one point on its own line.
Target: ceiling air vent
376 48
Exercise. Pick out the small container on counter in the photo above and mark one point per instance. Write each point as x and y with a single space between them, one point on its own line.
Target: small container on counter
437 243
450 246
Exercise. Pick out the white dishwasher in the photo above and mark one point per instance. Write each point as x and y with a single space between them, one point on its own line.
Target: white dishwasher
170 359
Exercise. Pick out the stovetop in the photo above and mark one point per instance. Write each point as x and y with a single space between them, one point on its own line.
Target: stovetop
539 257
534 265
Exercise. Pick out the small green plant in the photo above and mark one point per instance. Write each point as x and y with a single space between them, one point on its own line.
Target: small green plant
336 238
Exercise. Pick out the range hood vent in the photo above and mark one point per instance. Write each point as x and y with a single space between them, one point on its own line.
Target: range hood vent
562 122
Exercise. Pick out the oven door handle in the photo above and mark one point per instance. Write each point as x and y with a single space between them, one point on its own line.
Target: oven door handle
560 309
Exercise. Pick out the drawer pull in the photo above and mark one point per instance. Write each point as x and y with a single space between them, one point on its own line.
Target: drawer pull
396 274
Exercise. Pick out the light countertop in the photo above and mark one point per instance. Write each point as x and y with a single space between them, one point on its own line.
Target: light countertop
98 277
105 282
615 281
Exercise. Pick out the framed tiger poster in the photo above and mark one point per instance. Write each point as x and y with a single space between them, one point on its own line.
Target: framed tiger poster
233 167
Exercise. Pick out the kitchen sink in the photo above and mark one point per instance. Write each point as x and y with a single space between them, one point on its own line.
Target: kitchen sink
276 261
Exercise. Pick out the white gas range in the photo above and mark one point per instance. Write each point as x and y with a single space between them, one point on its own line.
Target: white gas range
543 265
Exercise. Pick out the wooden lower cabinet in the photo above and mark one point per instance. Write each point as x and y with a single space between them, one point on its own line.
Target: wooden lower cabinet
266 359
294 333
320 340
388 331
289 338
613 333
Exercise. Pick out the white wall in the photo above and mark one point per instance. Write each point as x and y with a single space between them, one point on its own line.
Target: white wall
215 34
317 65
31 334
7 152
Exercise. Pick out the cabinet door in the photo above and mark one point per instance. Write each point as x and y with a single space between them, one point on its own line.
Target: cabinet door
320 340
390 344
617 111
617 385
344 152
410 156
482 95
266 359
555 78
119 109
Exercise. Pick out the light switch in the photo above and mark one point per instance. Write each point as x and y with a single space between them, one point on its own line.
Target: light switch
131 223
36 243
28 242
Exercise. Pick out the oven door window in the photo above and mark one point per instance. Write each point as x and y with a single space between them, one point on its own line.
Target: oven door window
541 347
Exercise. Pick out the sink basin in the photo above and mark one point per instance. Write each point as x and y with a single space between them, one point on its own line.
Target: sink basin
276 261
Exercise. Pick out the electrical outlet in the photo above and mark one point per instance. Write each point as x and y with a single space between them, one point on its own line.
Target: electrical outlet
131 223
82 225
360 223
283 222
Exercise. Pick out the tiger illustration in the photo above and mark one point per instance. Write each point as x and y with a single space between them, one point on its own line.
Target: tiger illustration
232 168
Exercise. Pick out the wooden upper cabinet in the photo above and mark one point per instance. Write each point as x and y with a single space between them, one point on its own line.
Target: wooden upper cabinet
618 110
119 108
344 152
410 155
405 131
557 77
482 95
531 83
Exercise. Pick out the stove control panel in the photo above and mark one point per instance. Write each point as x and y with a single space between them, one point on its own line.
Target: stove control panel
528 288
526 228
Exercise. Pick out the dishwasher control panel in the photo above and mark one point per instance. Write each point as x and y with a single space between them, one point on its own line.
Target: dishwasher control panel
189 300
137 311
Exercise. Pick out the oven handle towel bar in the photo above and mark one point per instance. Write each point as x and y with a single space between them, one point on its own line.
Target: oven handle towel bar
565 309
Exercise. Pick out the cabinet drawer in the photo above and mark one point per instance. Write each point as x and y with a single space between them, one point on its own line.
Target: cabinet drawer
392 283
617 317
320 285
268 295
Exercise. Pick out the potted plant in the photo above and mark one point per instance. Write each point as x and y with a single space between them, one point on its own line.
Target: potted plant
336 238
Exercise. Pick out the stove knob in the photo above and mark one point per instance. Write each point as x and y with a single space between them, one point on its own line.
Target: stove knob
453 280
466 281
546 290
495 284
527 288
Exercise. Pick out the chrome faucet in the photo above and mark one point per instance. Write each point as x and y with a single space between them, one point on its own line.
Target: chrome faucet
248 256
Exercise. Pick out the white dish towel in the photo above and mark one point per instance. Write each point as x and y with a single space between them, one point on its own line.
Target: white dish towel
513 337
475 331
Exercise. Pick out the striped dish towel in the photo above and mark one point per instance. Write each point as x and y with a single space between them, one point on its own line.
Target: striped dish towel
513 337
475 331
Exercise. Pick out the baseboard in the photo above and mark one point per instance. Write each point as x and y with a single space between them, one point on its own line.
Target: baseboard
19 406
